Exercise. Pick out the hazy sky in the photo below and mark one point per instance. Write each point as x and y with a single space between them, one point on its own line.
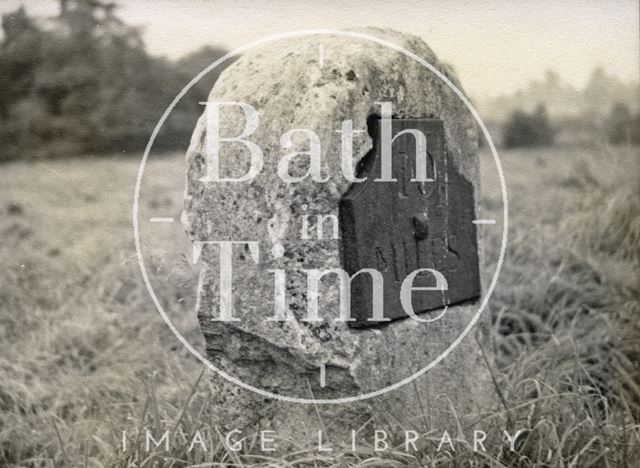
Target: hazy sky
495 46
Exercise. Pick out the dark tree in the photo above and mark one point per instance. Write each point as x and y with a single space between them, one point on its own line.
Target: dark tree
87 85
528 129
622 125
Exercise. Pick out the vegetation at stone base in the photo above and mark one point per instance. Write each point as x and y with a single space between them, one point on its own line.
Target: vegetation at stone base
528 129
83 83
83 354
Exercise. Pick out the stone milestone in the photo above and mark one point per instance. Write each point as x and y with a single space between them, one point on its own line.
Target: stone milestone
301 212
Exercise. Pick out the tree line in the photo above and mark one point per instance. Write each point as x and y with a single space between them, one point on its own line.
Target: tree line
606 109
83 83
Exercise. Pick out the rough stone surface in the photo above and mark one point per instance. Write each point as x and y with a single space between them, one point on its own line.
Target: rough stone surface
284 82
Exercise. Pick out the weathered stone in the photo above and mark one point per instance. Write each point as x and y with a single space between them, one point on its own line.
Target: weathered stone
286 84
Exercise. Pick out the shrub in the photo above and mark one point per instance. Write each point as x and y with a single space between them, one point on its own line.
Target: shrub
622 125
528 129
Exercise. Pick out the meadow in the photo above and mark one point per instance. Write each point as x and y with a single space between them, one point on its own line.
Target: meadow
84 354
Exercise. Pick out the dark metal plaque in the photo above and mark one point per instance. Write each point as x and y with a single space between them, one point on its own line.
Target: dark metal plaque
400 226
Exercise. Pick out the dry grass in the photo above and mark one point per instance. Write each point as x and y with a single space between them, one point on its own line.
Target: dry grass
83 353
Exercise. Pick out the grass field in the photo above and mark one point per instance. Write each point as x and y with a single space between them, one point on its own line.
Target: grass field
83 354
